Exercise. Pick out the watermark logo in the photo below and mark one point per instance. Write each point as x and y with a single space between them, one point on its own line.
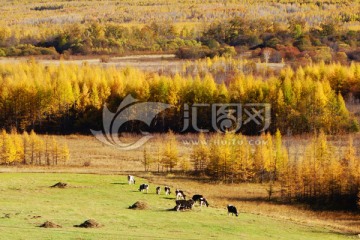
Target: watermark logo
130 109
228 117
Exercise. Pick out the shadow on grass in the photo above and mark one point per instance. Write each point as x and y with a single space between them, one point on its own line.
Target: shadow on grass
169 198
166 210
118 183
334 232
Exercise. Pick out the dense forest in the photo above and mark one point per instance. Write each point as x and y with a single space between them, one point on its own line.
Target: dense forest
70 98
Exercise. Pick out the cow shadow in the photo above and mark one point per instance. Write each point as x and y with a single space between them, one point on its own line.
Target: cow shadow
169 198
167 210
118 183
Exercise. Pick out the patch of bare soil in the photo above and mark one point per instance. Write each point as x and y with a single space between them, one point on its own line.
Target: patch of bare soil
49 224
90 223
139 206
59 185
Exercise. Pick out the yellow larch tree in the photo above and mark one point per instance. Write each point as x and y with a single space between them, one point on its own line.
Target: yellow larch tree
200 154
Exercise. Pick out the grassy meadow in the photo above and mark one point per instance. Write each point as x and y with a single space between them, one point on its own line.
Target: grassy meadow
27 201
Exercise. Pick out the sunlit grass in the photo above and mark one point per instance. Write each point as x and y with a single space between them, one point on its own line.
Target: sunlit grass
106 199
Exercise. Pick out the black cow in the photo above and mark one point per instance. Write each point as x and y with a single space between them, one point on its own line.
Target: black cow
180 194
199 198
144 187
158 190
167 190
184 204
232 209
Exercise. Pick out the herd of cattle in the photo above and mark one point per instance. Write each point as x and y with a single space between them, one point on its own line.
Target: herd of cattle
181 202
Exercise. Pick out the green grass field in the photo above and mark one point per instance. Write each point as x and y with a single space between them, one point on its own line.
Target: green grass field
106 199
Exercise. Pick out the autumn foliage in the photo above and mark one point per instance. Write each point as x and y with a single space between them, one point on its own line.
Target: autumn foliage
325 176
31 149
69 98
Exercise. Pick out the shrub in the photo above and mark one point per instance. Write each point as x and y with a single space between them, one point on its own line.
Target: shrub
50 7
87 164
322 54
226 51
354 55
104 59
204 51
341 57
193 52
2 53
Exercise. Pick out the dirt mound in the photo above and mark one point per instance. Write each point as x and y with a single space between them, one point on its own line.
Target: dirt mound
139 206
91 223
59 185
48 224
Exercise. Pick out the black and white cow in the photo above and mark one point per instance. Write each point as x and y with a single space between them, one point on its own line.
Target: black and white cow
167 190
203 201
199 198
131 179
144 187
158 190
180 194
232 209
184 204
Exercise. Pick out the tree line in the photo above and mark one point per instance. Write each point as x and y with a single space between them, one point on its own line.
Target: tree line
328 41
70 98
296 40
324 175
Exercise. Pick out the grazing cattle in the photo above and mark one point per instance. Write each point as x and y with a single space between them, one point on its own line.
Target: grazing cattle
232 210
199 198
144 187
167 190
180 194
184 204
131 179
158 190
203 201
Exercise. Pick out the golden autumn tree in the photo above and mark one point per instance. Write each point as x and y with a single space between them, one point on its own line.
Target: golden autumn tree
19 146
243 159
214 167
200 154
55 151
263 156
147 159
64 153
26 145
8 153
281 156
170 154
